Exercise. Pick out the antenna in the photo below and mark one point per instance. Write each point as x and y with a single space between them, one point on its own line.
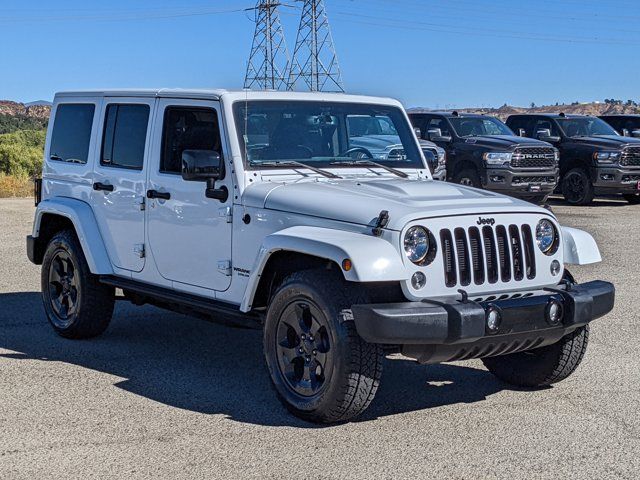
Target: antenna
269 59
314 58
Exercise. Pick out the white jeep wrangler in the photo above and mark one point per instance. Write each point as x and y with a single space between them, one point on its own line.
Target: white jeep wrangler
264 208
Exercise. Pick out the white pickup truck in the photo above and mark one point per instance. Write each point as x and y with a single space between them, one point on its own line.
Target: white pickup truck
258 208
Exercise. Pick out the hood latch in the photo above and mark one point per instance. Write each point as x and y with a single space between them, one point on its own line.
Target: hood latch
381 223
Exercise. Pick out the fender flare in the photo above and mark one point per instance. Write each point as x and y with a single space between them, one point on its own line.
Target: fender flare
579 247
84 221
373 259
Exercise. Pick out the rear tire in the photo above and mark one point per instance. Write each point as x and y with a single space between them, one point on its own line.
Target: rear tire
76 303
468 177
543 366
632 198
320 368
577 187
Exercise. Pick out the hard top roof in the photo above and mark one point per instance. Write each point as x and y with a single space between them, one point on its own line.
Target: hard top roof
232 95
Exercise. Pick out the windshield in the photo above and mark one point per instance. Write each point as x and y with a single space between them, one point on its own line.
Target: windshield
324 134
479 127
585 127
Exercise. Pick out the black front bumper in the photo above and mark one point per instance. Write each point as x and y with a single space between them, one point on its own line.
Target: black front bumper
436 332
520 183
615 180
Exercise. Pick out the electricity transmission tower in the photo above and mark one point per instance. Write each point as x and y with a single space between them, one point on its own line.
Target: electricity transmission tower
269 58
315 62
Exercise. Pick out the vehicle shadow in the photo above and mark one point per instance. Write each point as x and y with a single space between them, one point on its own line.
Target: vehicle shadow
195 365
616 201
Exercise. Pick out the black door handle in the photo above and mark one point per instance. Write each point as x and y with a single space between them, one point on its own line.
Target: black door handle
156 194
103 186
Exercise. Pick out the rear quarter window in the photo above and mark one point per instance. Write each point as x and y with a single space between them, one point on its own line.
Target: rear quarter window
71 134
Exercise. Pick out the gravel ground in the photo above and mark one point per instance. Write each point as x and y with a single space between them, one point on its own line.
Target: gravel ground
163 395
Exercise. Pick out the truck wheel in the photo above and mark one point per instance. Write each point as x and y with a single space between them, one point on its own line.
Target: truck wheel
76 303
632 198
468 177
543 366
577 188
321 369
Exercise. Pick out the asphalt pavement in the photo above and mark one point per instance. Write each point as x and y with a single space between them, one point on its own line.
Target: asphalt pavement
167 396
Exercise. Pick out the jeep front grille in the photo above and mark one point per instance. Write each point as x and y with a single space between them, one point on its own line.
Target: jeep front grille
489 254
534 157
630 157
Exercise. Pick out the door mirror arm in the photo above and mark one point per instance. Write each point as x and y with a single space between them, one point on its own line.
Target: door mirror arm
214 193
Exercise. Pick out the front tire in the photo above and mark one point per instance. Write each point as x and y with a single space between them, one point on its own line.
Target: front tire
468 177
321 369
632 198
76 304
577 188
543 366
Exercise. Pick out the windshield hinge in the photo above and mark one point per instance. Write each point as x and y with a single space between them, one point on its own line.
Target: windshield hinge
226 212
224 267
138 250
381 223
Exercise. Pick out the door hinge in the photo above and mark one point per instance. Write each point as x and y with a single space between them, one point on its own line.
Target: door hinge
142 204
226 212
138 249
224 267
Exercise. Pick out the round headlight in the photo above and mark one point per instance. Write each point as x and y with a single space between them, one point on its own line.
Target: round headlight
546 236
416 244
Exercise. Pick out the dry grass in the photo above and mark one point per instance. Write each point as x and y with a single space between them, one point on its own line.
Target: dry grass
11 186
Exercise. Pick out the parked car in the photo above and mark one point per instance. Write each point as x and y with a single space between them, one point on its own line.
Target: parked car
256 208
594 158
625 125
379 137
484 153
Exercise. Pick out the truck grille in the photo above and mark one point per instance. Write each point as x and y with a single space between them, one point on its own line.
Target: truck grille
534 157
630 157
487 254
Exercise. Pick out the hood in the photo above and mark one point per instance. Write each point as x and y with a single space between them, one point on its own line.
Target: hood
375 142
615 142
360 201
506 142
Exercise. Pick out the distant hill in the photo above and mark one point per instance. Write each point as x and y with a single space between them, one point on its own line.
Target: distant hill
592 108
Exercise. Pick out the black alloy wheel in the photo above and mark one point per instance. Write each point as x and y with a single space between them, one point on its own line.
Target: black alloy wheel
64 289
303 347
577 188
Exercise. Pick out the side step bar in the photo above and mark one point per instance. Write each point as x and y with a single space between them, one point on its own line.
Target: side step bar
214 310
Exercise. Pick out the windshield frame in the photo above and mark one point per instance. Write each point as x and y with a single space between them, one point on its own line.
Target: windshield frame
396 114
560 121
495 120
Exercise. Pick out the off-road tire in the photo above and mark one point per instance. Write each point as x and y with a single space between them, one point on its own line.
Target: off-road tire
352 383
468 177
577 187
95 301
632 198
543 366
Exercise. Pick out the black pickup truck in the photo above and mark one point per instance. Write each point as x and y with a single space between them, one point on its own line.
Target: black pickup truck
594 158
483 152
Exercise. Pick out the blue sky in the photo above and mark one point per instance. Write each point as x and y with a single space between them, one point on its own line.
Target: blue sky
432 53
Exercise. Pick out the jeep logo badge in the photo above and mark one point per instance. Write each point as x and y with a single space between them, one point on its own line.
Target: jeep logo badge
486 221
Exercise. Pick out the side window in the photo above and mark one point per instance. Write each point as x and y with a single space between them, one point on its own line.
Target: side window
188 128
516 123
125 136
440 123
546 124
71 134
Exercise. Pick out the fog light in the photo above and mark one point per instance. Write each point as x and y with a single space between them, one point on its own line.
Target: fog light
497 179
555 312
418 280
555 268
494 319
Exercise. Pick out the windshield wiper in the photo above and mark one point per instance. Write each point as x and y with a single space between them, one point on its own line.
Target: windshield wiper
289 163
371 163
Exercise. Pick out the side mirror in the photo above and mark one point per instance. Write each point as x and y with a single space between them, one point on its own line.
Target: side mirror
435 135
544 134
204 165
626 133
635 133
522 132
418 133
